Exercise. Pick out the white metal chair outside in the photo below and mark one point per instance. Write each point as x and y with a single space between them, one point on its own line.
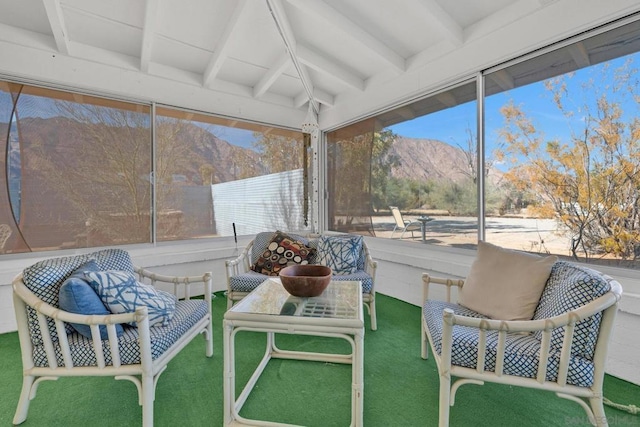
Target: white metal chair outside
403 224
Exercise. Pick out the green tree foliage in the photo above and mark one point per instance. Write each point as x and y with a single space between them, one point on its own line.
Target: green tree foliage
279 153
590 182
382 162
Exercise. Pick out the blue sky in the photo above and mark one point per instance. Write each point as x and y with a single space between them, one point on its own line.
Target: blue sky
451 125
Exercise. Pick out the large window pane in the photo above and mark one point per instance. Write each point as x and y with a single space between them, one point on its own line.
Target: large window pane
76 169
421 158
564 129
214 173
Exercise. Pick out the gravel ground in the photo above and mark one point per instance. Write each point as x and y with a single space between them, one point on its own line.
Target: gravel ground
528 234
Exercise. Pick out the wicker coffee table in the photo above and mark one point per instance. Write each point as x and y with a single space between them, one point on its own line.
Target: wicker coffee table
271 309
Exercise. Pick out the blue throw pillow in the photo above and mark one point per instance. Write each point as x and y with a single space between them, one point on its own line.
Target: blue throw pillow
122 293
341 253
76 296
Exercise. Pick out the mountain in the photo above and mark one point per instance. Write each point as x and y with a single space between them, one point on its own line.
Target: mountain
432 160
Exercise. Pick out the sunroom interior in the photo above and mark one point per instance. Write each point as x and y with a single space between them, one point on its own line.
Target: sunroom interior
178 131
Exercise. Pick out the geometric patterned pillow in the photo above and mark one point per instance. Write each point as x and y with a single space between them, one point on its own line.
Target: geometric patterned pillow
571 286
282 251
341 253
122 293
112 259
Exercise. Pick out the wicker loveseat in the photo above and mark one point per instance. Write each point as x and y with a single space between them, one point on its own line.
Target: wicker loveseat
241 279
57 343
561 348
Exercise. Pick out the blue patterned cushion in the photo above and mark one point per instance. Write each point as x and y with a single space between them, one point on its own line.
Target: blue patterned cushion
341 253
77 296
521 351
569 287
44 279
246 282
122 293
187 314
360 275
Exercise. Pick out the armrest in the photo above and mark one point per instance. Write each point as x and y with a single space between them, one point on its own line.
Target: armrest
23 297
370 265
181 284
449 283
239 264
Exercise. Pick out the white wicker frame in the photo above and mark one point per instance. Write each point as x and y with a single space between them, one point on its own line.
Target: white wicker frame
589 398
144 375
242 264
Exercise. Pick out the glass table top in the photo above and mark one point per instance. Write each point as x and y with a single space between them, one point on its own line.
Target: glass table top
341 300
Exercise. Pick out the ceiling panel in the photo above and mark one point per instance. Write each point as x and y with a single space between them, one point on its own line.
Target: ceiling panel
355 55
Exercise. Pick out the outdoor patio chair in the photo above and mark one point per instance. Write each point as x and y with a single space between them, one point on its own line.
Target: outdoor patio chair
402 224
556 340
86 339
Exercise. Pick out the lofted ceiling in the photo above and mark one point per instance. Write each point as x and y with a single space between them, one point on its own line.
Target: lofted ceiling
264 59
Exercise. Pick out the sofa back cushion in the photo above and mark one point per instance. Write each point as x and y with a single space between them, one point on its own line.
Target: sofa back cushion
262 239
45 278
505 284
569 287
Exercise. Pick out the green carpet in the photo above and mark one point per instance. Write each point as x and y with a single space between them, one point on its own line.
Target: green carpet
401 389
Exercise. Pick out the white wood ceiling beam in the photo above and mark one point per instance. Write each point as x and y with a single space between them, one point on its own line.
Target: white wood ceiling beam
503 79
221 50
148 32
445 24
275 71
406 112
323 65
579 54
318 95
447 99
284 28
334 18
58 27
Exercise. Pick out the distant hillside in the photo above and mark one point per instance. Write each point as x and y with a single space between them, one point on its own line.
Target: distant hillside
430 159
66 136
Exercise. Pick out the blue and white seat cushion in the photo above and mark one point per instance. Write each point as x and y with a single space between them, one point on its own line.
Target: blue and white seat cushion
521 351
77 296
340 253
122 293
45 278
187 314
282 251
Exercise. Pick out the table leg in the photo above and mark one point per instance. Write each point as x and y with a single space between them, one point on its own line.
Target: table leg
229 379
357 368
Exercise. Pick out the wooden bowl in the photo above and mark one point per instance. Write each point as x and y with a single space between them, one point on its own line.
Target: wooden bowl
305 280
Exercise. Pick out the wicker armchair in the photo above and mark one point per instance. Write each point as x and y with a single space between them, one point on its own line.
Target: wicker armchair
562 349
52 345
241 279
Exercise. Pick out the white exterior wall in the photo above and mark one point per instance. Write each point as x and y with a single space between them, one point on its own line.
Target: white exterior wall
269 202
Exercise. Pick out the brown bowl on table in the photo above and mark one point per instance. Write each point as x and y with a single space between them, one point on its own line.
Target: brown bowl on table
308 280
